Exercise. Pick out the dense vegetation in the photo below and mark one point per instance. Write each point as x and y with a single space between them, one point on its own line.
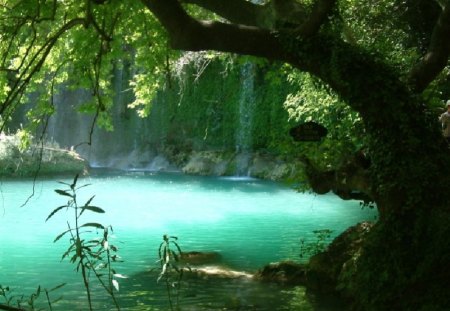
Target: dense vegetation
383 63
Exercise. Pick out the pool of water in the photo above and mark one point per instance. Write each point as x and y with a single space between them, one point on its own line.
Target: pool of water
248 222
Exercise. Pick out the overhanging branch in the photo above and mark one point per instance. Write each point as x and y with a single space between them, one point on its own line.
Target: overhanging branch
272 15
35 64
318 16
327 57
437 54
186 33
237 11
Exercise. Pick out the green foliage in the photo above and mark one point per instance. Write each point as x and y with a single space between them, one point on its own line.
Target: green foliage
169 254
383 28
24 156
200 112
315 101
78 45
322 239
10 300
90 255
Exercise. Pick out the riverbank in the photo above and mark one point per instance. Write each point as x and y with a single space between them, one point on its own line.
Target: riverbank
42 159
256 164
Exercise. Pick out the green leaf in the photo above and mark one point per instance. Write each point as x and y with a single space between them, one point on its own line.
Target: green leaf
55 211
175 256
94 209
62 192
93 224
89 201
177 246
68 251
72 186
74 258
57 287
85 185
61 235
115 284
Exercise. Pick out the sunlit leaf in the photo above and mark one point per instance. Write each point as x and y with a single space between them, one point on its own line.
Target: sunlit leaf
115 284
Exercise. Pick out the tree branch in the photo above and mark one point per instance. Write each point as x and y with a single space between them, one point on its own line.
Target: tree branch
272 15
187 33
437 55
35 64
341 65
237 11
318 16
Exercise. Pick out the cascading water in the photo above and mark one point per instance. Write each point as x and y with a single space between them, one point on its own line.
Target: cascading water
119 148
245 119
209 106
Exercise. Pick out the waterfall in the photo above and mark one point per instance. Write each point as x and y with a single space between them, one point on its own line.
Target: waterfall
245 119
122 148
201 112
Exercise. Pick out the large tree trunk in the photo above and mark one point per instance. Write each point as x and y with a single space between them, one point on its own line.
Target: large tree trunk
404 263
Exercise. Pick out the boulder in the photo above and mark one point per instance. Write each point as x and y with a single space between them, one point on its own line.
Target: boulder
200 258
332 266
285 272
218 272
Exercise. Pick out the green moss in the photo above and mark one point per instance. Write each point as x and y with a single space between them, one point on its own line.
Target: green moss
45 160
202 111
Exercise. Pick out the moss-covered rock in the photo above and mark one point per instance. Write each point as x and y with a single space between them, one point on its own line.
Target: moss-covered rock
285 272
333 269
47 159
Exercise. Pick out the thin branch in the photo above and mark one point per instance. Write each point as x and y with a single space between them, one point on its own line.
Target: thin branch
96 87
37 60
317 17
437 55
42 137
40 157
90 20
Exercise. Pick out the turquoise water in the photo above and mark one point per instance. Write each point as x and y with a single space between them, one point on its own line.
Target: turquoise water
248 222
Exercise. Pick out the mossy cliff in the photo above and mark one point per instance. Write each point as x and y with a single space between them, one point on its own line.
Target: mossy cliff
211 116
223 118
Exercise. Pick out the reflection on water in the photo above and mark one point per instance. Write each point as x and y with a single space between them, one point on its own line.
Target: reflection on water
248 222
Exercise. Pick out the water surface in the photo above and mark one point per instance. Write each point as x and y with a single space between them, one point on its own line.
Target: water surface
248 222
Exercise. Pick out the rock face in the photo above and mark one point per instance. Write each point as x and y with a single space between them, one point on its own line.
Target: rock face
207 265
287 273
200 258
218 163
337 263
326 270
218 272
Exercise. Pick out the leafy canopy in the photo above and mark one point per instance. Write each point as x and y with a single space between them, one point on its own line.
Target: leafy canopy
78 44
